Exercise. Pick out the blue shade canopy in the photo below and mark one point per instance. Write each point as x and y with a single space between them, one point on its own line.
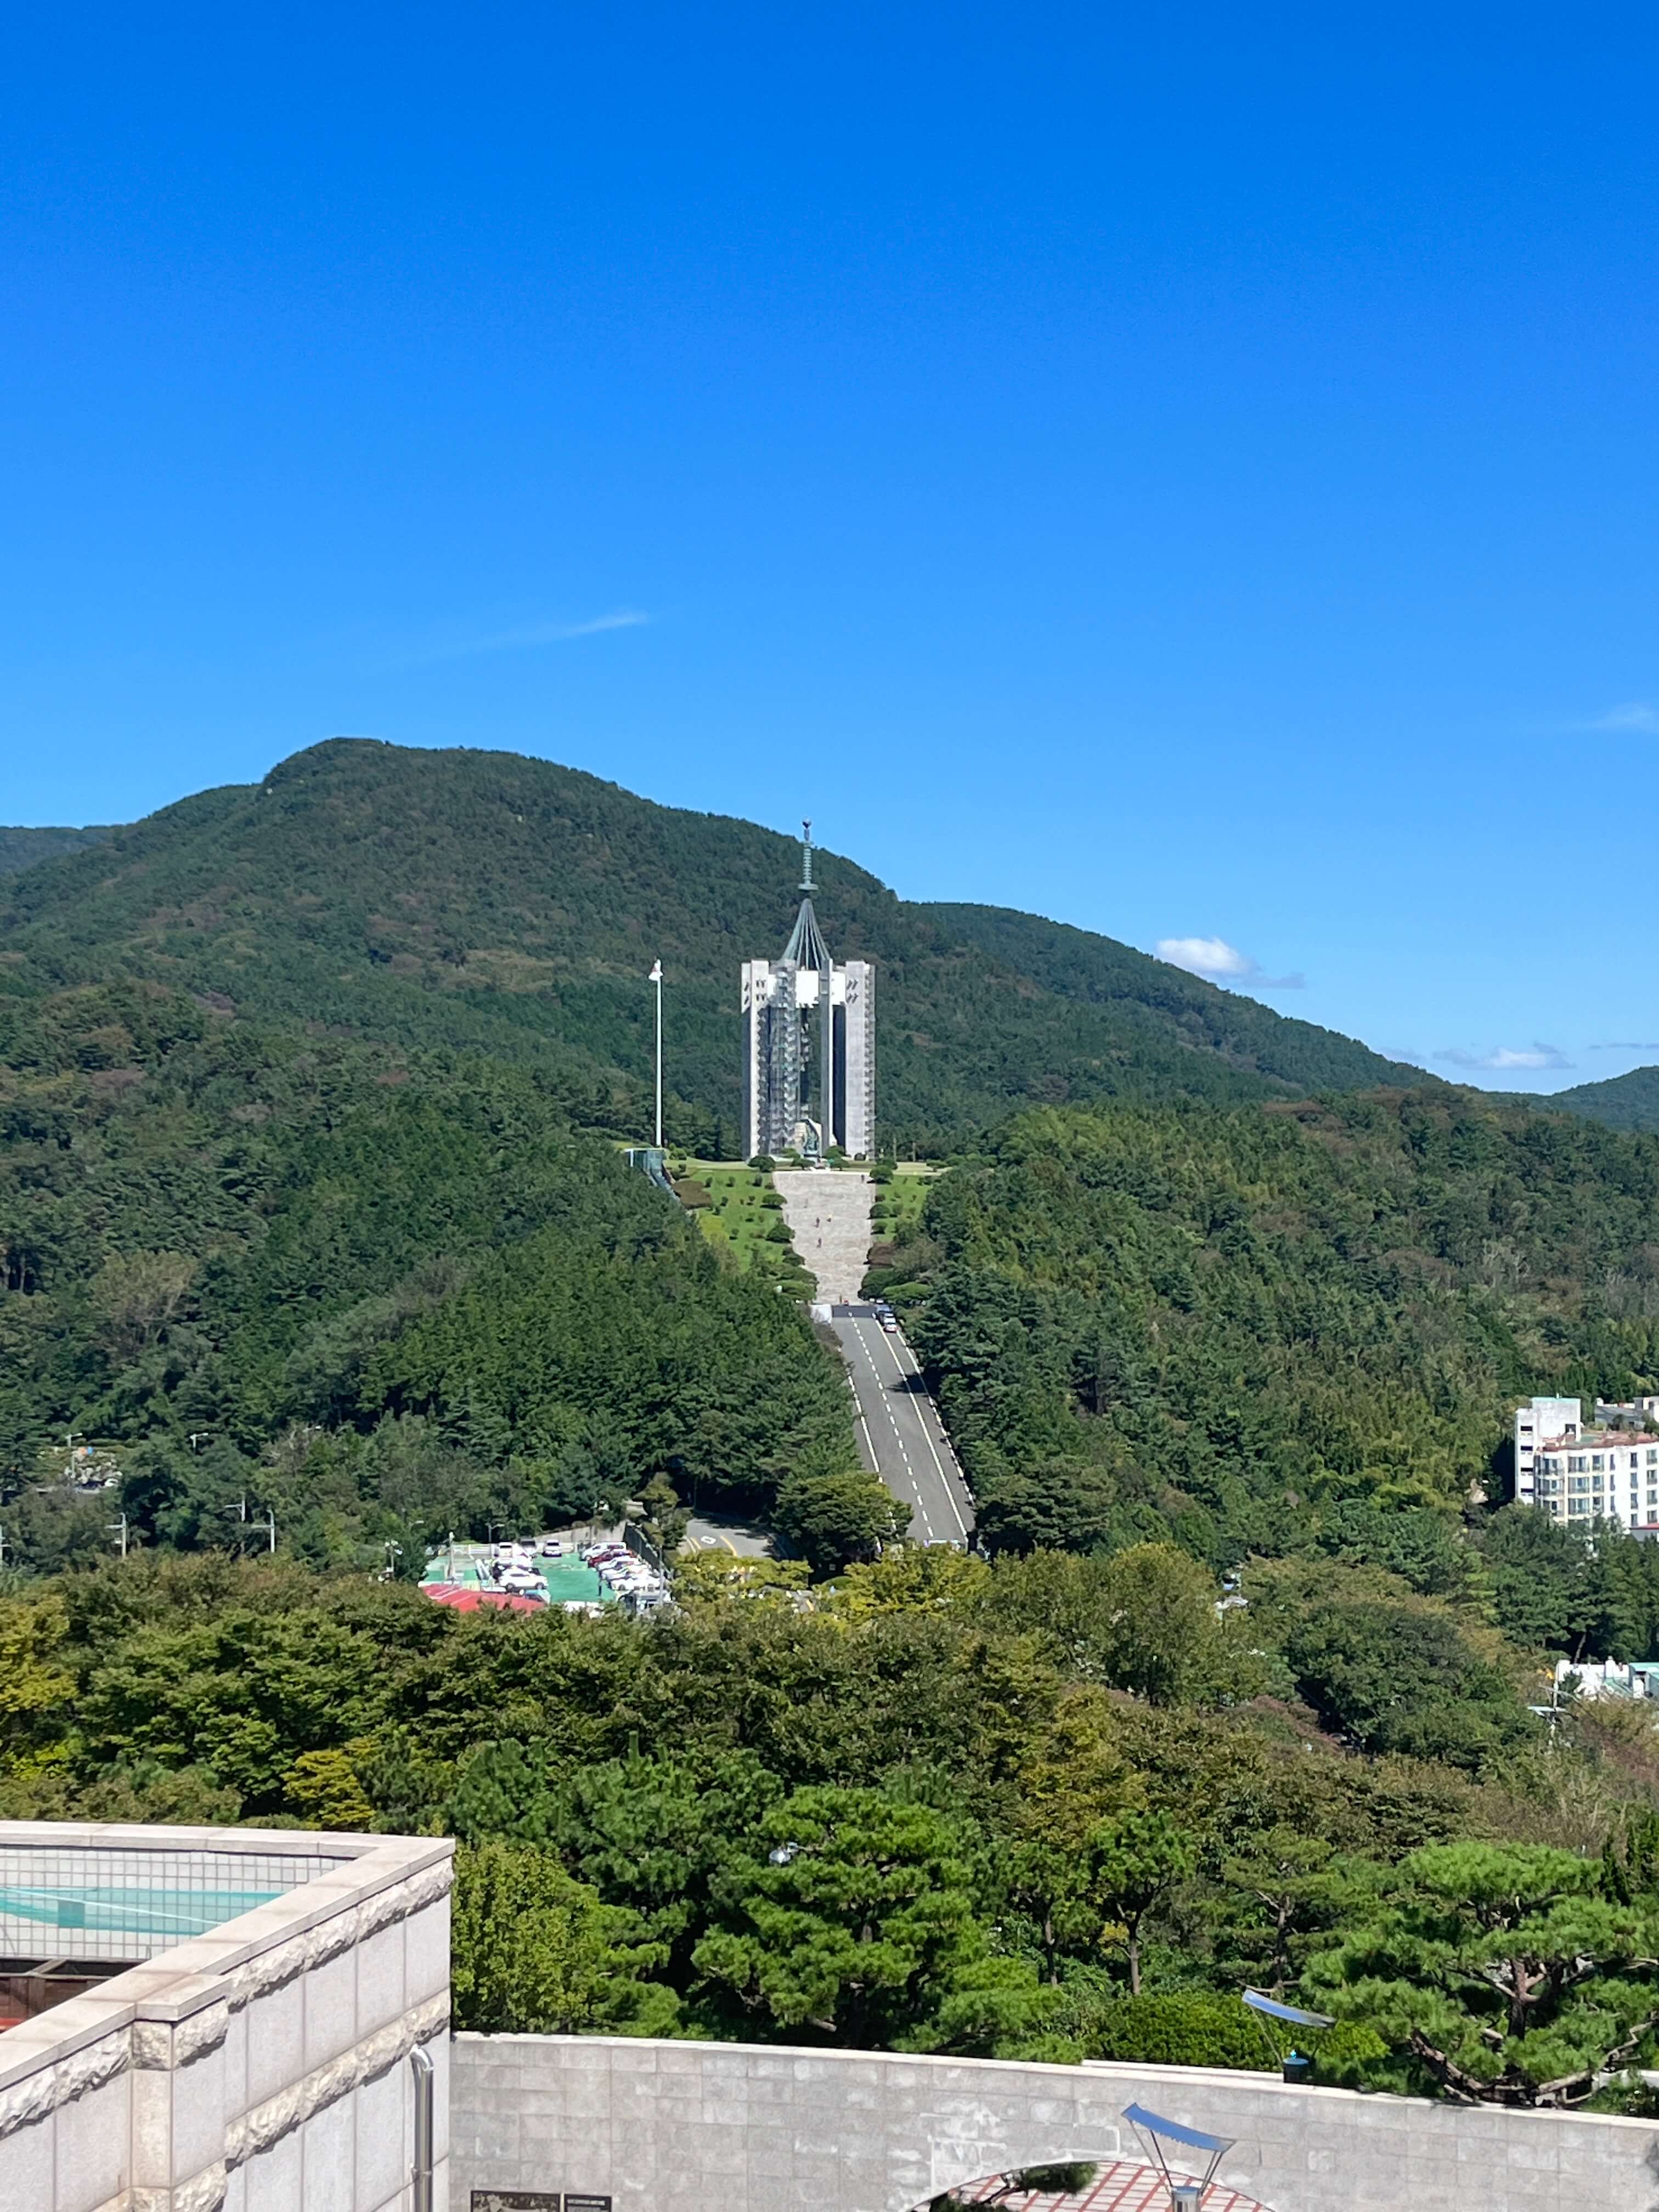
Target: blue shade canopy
178 1913
1274 2010
1193 2138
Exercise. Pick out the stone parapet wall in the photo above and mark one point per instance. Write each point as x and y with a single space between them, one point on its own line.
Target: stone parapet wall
695 2127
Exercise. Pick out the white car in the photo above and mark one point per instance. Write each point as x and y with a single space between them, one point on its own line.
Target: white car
551 1548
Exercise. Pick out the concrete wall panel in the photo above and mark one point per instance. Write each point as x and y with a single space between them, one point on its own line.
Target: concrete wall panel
275 2039
682 2127
273 2179
92 2153
385 2132
328 2155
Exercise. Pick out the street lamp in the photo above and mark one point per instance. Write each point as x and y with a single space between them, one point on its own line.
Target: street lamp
655 979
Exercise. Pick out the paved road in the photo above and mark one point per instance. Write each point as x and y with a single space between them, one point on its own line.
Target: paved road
900 1434
710 1533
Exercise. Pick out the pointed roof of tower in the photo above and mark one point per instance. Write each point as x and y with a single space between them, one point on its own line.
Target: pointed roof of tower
807 947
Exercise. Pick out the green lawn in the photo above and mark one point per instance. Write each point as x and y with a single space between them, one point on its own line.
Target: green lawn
903 1198
736 1221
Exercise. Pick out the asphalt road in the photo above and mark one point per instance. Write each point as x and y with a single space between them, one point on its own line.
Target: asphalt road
900 1434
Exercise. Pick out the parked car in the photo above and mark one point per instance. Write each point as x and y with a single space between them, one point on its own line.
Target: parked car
551 1548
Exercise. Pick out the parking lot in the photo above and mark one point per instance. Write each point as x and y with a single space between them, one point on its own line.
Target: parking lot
585 1570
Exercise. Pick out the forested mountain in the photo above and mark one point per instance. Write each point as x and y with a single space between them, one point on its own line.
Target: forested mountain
1623 1102
311 1205
486 903
27 849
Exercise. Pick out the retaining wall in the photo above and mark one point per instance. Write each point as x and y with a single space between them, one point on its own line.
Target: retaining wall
696 2127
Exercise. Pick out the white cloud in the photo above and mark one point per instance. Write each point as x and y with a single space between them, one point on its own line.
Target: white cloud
453 641
1508 1058
1218 962
1634 714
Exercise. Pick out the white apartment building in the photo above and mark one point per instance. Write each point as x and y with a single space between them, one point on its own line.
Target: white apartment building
1608 1470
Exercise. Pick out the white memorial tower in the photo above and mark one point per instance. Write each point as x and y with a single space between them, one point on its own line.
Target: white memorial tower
809 1044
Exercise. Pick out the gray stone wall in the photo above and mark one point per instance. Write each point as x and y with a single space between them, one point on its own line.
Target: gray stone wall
692 2127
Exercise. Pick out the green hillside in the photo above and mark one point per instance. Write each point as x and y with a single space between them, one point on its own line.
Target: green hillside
1624 1101
1275 1328
382 1295
27 849
487 902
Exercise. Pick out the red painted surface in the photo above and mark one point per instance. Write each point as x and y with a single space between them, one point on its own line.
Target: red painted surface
469 1601
1123 2186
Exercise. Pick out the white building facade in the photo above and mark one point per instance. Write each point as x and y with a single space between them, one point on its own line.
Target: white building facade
1540 1421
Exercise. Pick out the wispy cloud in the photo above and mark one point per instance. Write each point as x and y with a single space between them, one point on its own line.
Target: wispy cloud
1626 1044
1635 715
1218 962
1508 1058
454 641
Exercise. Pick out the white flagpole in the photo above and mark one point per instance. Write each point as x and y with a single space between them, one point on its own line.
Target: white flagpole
656 978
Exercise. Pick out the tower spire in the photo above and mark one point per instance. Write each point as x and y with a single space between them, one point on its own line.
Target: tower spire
807 883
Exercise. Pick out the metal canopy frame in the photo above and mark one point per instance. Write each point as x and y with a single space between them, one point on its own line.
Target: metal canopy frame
1154 2130
1266 2008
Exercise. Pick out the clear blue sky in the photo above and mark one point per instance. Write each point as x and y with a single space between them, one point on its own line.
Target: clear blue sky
1194 472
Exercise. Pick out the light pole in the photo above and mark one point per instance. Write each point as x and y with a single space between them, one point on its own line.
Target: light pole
656 979
120 1529
270 1524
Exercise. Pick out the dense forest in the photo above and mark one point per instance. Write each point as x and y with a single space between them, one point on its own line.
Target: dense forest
379 1296
1264 1326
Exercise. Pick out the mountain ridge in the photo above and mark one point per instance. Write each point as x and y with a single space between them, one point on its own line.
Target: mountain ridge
22 848
1630 1100
482 900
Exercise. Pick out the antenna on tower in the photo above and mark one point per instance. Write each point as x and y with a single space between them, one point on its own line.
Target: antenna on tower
807 883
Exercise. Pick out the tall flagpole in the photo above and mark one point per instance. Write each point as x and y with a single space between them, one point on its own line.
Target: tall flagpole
656 978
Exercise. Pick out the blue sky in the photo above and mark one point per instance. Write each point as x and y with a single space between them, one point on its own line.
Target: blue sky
1192 472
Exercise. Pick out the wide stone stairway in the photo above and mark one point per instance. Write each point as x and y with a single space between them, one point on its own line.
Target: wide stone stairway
828 1211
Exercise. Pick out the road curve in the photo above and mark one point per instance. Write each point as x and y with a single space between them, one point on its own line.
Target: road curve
901 1436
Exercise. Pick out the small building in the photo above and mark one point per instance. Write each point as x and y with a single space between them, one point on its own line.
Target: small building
1608 1678
1608 1474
